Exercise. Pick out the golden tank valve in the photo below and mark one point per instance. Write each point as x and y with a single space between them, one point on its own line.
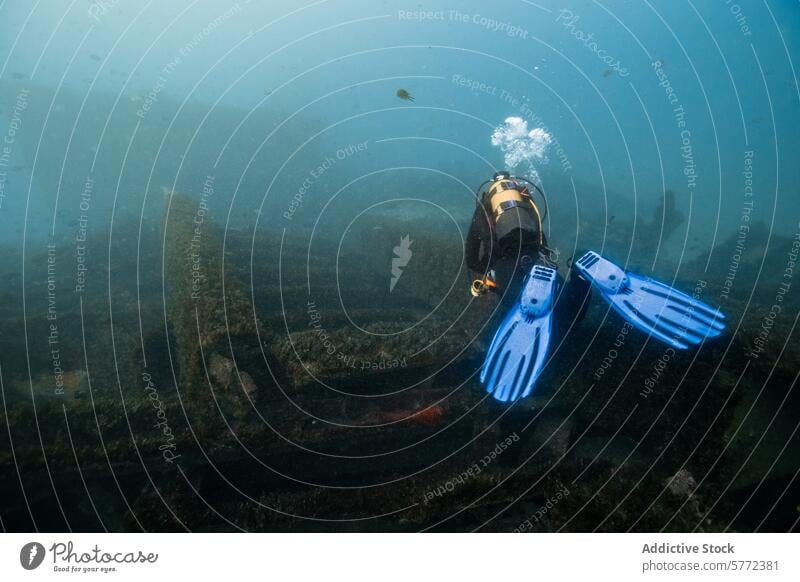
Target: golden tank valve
482 286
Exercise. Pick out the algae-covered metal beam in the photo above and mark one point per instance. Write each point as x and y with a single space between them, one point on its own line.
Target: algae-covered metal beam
211 318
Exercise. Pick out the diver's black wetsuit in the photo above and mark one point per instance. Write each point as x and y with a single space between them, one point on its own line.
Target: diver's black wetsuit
521 245
511 256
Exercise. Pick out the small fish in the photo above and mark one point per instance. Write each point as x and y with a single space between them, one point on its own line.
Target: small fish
17 76
267 92
95 57
607 73
404 95
611 220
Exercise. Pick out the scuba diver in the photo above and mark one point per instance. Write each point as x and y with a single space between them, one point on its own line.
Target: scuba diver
507 247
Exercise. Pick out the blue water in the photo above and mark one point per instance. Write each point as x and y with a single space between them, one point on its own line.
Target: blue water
585 71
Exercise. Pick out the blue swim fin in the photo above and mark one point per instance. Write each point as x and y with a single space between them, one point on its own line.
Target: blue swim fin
519 348
652 307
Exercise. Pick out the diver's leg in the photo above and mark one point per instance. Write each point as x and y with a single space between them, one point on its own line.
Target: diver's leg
509 276
574 299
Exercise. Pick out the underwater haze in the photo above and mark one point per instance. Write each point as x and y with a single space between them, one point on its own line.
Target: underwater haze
236 295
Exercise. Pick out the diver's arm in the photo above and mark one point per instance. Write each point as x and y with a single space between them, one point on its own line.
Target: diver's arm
477 234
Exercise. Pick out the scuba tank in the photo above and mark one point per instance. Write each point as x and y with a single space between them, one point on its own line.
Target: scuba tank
517 220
